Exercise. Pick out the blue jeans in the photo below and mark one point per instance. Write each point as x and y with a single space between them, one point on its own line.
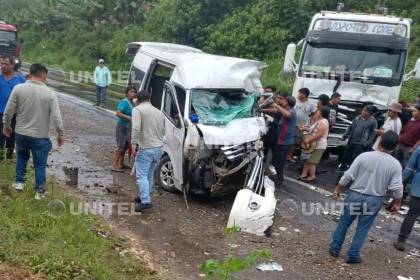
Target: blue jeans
363 207
39 149
100 95
146 163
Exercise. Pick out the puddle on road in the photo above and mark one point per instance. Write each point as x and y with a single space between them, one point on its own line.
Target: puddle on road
92 180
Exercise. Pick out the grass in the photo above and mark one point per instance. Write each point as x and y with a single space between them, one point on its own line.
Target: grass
61 247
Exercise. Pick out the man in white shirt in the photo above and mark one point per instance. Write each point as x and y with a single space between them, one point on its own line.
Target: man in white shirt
392 123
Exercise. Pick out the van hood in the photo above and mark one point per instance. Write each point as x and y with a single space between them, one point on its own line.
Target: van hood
236 132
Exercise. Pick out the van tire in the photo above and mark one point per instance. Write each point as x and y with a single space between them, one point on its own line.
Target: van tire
164 173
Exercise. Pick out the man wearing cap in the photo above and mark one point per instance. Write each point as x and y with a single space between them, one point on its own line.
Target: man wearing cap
393 123
102 78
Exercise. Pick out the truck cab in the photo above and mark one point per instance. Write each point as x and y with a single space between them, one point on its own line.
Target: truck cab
360 56
212 141
9 43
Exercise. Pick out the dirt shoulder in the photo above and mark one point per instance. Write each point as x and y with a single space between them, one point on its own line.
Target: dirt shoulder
11 272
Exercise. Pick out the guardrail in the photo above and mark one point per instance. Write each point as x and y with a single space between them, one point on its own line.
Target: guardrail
75 78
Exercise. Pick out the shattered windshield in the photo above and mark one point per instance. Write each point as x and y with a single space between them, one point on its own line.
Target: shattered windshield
369 64
218 107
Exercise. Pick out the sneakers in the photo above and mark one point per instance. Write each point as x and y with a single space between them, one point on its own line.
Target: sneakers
19 186
354 260
400 245
333 254
140 207
40 195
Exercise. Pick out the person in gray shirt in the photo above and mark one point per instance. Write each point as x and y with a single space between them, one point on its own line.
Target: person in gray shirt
370 176
148 130
35 106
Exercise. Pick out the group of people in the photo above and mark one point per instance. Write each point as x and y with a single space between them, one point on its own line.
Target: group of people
140 130
374 161
297 123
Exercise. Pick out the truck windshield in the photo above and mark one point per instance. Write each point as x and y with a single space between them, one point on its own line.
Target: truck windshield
366 64
218 107
7 36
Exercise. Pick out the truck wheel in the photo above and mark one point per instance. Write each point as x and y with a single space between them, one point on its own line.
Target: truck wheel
165 175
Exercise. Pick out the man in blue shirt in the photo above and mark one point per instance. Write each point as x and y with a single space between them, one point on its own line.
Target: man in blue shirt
411 173
102 78
8 80
286 129
123 129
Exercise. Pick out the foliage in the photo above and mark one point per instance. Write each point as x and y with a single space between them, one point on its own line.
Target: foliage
226 268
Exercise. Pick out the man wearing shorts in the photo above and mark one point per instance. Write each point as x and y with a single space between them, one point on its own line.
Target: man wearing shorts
123 129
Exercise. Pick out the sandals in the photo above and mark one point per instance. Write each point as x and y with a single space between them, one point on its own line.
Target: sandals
309 181
117 170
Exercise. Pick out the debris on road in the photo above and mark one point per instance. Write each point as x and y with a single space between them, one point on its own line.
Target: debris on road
404 278
100 233
403 210
271 266
413 253
254 213
282 228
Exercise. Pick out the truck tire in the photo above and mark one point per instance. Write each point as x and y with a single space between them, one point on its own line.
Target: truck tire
164 175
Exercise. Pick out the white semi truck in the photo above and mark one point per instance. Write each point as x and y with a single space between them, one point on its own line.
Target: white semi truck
360 56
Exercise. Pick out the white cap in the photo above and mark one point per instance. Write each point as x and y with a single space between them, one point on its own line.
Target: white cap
101 60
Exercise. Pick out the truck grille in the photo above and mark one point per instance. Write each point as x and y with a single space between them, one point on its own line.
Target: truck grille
9 50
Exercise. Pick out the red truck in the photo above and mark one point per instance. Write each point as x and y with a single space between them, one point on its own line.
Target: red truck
9 43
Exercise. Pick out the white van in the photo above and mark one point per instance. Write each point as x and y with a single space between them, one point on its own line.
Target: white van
213 128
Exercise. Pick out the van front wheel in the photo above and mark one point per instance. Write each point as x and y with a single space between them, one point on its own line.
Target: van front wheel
165 175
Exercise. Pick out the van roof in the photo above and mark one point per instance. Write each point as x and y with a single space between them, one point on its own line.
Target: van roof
197 69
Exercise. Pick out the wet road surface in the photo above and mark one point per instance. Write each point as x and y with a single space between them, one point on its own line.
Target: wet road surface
176 241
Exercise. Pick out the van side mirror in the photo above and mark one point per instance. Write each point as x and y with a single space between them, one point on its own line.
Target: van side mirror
417 70
289 66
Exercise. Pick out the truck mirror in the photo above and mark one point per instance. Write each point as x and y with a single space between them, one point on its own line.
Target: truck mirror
289 65
417 70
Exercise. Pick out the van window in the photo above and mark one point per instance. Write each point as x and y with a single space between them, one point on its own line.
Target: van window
136 77
180 96
169 107
160 75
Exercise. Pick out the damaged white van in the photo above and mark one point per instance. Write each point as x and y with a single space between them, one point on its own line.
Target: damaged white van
213 128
